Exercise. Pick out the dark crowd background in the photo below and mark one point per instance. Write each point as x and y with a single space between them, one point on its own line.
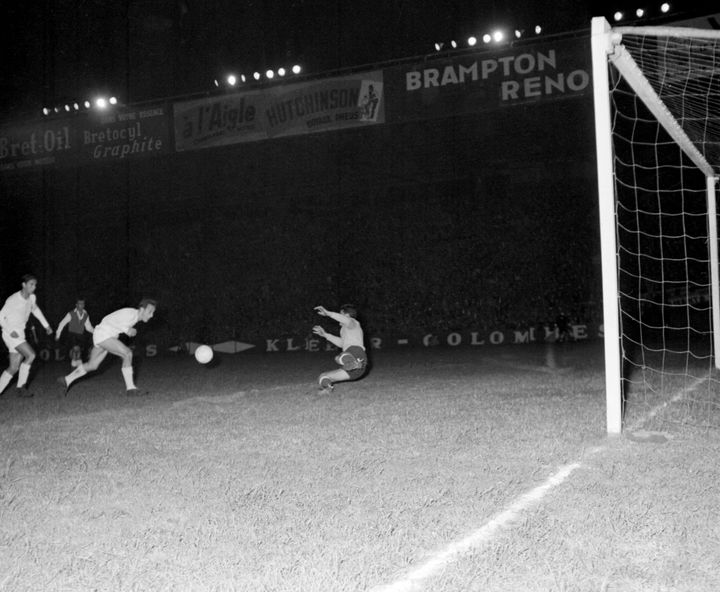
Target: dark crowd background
480 222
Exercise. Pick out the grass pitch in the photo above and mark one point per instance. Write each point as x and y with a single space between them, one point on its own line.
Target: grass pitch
239 477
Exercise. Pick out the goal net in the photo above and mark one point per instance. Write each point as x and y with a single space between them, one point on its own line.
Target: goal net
657 116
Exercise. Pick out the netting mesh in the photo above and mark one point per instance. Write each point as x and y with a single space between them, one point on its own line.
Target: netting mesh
663 233
684 71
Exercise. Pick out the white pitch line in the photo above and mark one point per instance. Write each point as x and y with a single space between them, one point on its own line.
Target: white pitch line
412 581
653 412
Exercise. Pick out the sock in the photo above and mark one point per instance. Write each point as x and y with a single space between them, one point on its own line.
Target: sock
127 373
5 380
79 372
23 375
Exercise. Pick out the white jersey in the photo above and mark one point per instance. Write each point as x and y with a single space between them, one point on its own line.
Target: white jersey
120 321
352 335
16 312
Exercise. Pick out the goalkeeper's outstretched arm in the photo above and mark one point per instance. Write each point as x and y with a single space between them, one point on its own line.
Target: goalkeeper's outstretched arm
334 339
335 316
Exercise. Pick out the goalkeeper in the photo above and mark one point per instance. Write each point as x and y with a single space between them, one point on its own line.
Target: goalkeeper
353 358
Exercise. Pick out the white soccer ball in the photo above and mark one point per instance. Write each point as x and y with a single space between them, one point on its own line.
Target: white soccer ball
204 354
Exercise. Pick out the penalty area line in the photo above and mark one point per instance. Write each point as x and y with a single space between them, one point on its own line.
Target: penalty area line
412 581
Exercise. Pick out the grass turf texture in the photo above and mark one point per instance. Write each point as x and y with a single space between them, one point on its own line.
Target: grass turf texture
239 477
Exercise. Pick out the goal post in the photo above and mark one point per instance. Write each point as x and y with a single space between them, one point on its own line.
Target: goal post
601 48
657 125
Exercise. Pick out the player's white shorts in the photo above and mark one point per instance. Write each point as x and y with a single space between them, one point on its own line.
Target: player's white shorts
101 333
13 342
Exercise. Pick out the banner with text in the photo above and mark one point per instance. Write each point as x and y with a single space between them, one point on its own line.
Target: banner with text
287 110
439 87
37 144
86 137
124 133
484 81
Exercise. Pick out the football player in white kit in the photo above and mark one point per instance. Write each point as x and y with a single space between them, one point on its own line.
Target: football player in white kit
353 357
13 320
105 341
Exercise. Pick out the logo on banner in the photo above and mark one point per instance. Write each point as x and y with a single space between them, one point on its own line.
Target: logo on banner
370 93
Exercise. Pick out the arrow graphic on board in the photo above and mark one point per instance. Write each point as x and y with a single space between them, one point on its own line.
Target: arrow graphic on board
226 347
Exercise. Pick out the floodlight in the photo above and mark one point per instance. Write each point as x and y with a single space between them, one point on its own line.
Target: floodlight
46 111
296 69
498 36
101 103
281 71
87 104
487 38
438 46
67 108
232 80
640 12
518 33
270 74
664 7
454 44
472 41
538 29
256 75
113 101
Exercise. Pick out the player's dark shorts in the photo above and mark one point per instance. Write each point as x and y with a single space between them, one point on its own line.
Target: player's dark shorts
353 360
77 339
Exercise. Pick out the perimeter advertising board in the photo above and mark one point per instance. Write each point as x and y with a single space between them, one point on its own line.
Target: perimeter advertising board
33 145
286 110
487 80
112 135
124 133
468 83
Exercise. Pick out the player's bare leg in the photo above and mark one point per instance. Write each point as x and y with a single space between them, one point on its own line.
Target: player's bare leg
75 356
14 360
327 379
97 355
119 349
26 356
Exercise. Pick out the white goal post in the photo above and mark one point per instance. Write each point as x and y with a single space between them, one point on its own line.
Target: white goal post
673 74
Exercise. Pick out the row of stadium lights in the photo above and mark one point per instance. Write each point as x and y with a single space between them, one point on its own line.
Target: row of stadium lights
98 103
233 79
498 36
640 12
101 103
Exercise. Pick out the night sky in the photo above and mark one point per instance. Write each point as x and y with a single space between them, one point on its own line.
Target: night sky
139 50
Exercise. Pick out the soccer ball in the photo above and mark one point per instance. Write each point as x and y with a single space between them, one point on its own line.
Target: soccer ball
204 354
